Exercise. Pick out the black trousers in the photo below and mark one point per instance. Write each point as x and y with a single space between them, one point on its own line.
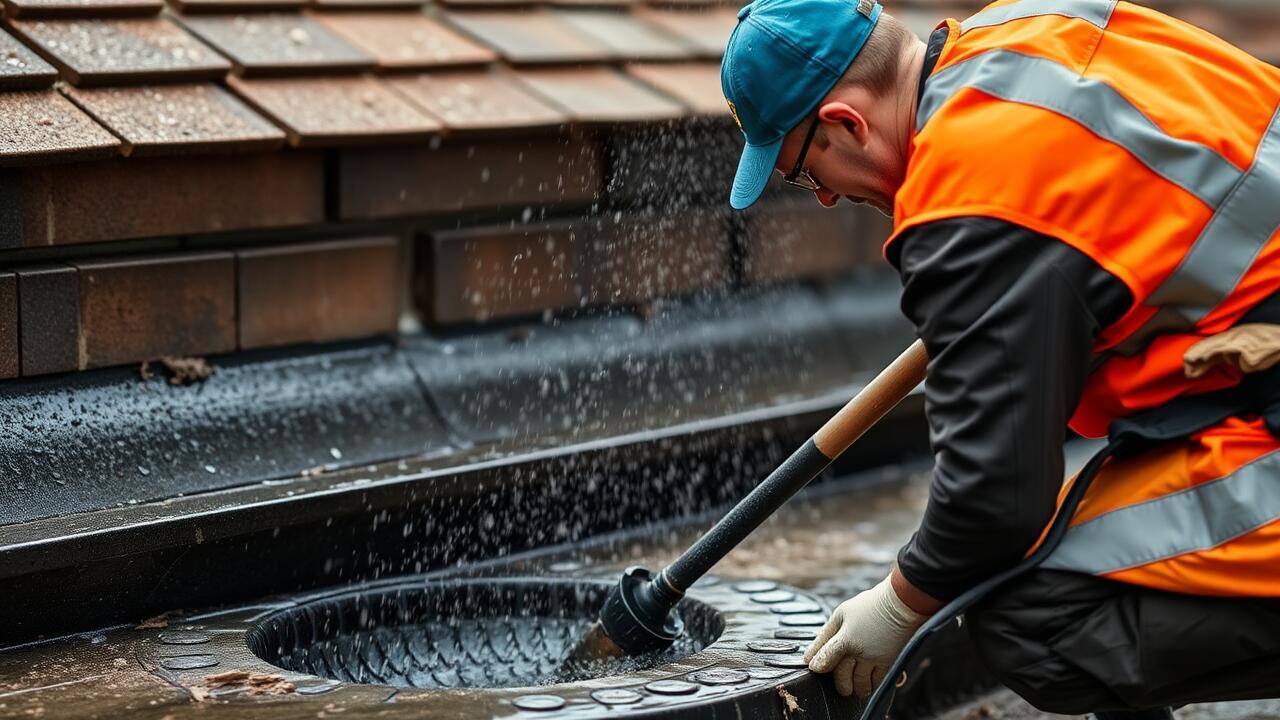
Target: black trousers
1072 644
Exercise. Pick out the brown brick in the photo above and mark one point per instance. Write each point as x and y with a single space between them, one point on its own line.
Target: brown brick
156 197
789 242
8 325
50 312
636 260
136 309
317 292
487 273
390 181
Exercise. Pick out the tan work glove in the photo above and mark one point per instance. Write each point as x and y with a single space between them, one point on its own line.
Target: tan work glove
1248 348
863 638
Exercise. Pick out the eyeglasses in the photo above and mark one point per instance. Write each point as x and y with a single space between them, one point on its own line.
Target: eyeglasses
800 176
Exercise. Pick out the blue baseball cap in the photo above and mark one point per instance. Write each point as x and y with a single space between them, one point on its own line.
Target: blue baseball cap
782 59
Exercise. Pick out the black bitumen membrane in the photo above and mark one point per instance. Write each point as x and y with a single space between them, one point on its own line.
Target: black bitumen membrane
102 439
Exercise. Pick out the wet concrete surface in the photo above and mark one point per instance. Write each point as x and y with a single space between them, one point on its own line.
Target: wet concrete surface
833 542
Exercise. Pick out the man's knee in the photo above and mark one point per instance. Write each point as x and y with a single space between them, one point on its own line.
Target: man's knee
1013 633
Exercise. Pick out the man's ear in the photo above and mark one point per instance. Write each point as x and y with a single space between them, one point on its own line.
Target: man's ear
853 122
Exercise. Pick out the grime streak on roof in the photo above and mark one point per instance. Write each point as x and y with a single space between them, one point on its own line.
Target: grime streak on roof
336 111
406 40
277 44
530 36
706 30
21 68
41 125
627 36
81 8
178 118
102 52
697 85
478 100
601 95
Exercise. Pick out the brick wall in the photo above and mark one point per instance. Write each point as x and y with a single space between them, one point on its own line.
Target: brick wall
398 165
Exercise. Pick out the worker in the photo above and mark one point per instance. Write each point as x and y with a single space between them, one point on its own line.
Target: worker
1086 198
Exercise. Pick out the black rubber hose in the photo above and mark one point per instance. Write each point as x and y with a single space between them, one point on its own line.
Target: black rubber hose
882 699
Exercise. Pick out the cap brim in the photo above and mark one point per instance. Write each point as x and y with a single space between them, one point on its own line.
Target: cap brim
754 170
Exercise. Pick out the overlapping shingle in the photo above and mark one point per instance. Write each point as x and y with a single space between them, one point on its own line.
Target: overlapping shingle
21 68
697 85
100 52
336 111
705 30
407 39
530 36
478 100
627 36
81 8
178 118
600 95
42 125
277 44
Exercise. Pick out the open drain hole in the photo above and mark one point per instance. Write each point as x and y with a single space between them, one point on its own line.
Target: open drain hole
477 633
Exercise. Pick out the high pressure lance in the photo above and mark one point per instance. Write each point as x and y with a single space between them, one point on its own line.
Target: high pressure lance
639 615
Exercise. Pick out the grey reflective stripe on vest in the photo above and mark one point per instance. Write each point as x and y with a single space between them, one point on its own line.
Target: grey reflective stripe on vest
1246 205
1096 12
1196 519
1224 251
1049 85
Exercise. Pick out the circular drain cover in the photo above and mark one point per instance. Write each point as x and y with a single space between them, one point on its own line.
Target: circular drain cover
460 635
503 640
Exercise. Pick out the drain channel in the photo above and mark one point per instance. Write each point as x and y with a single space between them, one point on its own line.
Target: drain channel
486 633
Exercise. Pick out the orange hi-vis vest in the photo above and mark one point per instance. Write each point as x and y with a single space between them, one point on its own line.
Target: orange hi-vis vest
1154 148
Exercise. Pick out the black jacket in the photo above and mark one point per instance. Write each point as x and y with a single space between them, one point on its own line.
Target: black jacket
1009 317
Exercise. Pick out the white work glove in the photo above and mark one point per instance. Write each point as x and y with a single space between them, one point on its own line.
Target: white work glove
863 638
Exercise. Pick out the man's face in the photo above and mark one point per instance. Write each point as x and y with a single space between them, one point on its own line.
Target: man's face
848 158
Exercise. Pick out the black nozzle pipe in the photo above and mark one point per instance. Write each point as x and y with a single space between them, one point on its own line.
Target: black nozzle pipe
639 614
797 471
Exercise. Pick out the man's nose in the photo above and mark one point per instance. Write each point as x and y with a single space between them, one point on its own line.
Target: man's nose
826 198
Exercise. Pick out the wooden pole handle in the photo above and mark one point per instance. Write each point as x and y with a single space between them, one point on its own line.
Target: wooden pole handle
880 396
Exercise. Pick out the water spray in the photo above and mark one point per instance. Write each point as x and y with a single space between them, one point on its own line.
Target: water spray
639 614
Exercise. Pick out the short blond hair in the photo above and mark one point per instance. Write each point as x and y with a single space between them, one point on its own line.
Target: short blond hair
879 64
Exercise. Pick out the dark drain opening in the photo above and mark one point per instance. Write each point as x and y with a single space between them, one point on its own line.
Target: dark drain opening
488 633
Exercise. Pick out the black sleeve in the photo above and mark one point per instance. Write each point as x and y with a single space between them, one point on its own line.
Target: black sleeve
1009 317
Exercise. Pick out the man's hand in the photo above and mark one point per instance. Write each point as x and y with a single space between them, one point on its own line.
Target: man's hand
863 638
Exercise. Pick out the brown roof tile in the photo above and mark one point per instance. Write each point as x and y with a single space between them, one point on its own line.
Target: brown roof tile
626 35
705 29
20 68
478 100
600 95
697 85
98 52
213 6
365 4
529 36
336 111
43 125
178 118
406 39
277 43
81 8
